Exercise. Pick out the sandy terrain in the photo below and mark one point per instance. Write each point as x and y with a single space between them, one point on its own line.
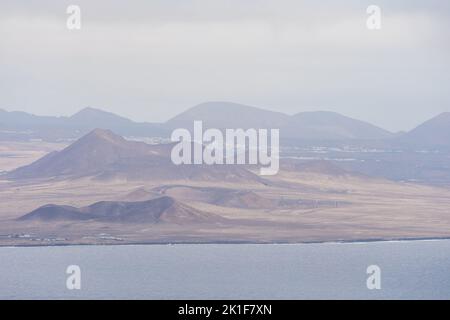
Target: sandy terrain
312 202
337 207
17 154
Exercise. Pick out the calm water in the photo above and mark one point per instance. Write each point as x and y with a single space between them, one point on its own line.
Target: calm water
414 269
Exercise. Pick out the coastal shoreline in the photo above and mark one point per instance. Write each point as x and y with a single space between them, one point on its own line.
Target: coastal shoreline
356 241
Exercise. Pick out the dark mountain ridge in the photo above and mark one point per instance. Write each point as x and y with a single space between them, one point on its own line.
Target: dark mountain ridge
103 155
160 210
318 126
23 126
306 125
434 132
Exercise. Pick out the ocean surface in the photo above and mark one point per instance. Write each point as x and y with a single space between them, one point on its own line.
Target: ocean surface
409 270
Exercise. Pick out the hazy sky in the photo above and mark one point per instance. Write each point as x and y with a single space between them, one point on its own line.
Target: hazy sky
149 60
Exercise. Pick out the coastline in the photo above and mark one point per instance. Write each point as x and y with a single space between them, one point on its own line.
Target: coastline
179 243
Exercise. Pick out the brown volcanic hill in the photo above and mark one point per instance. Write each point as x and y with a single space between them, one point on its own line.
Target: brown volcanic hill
105 155
140 194
163 209
224 197
241 199
51 212
96 150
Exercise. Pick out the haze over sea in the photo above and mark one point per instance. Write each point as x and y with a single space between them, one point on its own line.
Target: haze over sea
409 270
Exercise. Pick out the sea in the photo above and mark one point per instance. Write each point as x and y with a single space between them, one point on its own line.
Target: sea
359 270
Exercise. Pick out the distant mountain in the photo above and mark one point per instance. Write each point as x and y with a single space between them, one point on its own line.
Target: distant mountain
160 210
104 155
308 126
23 126
17 125
224 115
432 133
321 125
326 125
24 120
91 117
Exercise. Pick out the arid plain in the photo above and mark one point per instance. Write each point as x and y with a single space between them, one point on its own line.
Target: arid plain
311 202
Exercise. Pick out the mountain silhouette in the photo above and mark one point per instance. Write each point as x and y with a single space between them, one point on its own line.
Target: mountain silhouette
432 133
160 210
321 125
223 115
326 125
23 126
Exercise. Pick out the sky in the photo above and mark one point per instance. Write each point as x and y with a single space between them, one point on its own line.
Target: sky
150 60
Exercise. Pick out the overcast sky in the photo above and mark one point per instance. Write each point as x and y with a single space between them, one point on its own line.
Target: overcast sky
150 60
